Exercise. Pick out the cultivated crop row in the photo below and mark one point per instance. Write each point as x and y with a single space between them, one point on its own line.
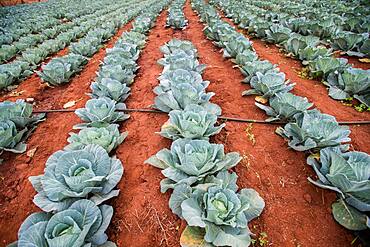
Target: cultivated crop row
204 192
80 178
344 28
59 70
309 130
343 80
22 38
176 18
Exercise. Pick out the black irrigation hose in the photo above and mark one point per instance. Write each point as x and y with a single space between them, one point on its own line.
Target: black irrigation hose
243 120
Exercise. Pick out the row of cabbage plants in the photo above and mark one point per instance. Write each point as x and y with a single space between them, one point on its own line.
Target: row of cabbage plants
344 81
204 190
80 178
176 18
320 135
24 65
27 44
60 70
16 123
276 20
25 19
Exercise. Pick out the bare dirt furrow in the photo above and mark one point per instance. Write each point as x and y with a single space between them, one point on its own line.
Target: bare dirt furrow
16 192
142 216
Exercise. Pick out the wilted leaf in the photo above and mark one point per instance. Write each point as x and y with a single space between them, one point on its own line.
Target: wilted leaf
31 152
16 93
348 217
69 104
260 99
364 60
193 237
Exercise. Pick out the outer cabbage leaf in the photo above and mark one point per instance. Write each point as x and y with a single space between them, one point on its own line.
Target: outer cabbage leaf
74 174
191 161
269 84
194 122
100 113
82 224
107 137
314 130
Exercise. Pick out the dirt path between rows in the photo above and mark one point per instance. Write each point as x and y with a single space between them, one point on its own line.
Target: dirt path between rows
314 90
16 192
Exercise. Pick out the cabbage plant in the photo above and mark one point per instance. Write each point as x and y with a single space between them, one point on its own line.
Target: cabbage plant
101 112
20 113
322 67
245 57
314 130
86 47
309 54
351 82
134 38
59 70
250 69
180 60
107 137
183 94
194 122
110 88
269 84
11 138
74 174
116 72
235 46
284 106
81 224
278 34
298 42
348 174
176 45
191 161
220 210
178 76
348 41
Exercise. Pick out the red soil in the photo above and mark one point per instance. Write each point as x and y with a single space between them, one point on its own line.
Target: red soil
296 213
15 2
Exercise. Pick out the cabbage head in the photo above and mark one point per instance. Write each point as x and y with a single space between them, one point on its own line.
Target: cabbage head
179 76
191 161
314 130
81 224
59 70
176 45
183 94
323 66
194 122
220 210
269 84
351 82
107 137
348 174
284 106
101 112
11 138
110 88
74 174
250 69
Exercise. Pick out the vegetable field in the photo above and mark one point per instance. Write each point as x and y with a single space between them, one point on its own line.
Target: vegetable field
185 123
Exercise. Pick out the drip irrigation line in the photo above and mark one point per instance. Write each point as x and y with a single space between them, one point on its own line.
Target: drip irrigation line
233 119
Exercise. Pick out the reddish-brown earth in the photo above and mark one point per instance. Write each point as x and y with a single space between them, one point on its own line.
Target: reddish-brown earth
296 213
15 2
